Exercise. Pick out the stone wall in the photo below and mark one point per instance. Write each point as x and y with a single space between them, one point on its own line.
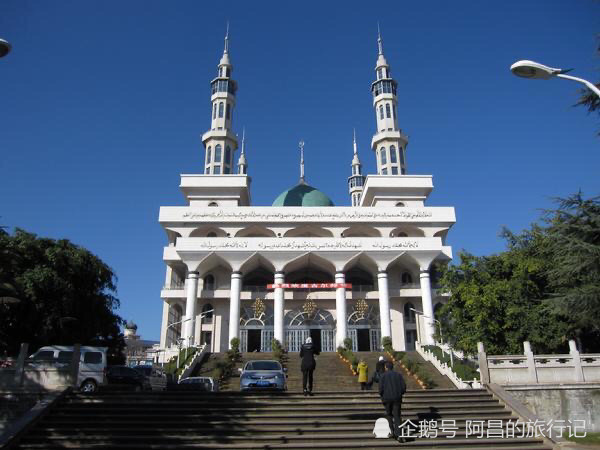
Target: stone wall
562 402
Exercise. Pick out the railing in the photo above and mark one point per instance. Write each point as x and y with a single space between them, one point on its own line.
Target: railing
573 367
174 286
189 367
444 369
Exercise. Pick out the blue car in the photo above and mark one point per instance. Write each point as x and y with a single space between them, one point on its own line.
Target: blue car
258 375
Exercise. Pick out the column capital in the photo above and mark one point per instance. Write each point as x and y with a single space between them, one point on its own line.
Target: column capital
192 274
381 274
236 273
424 273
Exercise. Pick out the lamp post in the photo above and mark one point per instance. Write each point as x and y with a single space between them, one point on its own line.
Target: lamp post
537 71
181 340
441 335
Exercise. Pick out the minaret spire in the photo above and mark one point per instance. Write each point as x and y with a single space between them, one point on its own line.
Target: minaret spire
226 50
379 40
356 180
242 164
301 145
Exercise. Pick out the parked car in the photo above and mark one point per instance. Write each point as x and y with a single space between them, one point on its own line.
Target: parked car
92 363
263 375
127 378
158 379
198 383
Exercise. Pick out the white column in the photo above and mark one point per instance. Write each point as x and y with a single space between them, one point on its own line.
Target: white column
340 310
234 307
190 307
384 305
278 297
427 308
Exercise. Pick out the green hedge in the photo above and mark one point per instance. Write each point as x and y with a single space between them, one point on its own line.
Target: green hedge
463 370
350 356
411 365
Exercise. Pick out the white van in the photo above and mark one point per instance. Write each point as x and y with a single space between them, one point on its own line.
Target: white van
92 363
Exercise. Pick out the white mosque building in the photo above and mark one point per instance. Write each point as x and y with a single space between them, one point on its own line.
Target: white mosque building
302 266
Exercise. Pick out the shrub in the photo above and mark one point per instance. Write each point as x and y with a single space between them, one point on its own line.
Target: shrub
235 344
386 343
348 344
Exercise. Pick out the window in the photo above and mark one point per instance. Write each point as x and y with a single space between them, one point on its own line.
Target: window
388 113
218 153
393 157
211 234
381 112
227 155
214 111
220 109
209 282
402 163
174 332
406 278
383 156
208 155
384 171
209 317
394 170
213 204
402 234
227 72
65 356
394 111
92 357
220 71
227 111
226 170
217 170
400 204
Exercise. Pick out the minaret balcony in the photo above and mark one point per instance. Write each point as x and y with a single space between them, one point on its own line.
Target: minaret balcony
220 134
396 135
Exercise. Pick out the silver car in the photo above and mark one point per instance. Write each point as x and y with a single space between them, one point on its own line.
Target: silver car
263 375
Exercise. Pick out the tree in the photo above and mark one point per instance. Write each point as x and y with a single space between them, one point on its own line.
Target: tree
545 288
589 98
64 293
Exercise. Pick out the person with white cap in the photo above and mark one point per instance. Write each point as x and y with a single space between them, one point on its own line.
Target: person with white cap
308 365
379 371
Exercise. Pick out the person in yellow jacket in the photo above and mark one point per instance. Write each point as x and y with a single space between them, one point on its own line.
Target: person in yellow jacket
363 374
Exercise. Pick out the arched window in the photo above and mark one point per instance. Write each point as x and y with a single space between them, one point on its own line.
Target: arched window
214 111
383 156
220 71
208 318
227 72
211 234
401 156
227 111
406 278
388 113
174 332
402 234
379 74
400 204
213 204
218 153
393 157
220 109
381 112
209 282
227 155
208 155
409 314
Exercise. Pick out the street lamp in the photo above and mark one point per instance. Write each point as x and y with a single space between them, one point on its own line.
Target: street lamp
533 70
441 336
181 340
4 48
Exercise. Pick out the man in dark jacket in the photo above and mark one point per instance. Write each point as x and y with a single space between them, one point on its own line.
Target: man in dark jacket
379 371
307 353
391 389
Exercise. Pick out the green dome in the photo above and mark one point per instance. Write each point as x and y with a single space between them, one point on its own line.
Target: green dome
302 195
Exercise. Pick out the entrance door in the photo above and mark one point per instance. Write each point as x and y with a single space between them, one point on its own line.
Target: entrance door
411 337
352 335
243 341
315 335
375 339
295 339
328 340
266 338
253 340
363 340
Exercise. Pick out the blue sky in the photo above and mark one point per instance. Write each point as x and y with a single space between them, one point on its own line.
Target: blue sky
102 106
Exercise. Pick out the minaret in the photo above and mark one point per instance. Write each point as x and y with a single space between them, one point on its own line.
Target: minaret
301 146
220 142
356 180
389 144
242 164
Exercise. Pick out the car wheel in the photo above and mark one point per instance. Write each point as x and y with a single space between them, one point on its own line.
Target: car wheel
89 386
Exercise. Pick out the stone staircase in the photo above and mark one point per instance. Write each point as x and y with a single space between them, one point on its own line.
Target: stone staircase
234 420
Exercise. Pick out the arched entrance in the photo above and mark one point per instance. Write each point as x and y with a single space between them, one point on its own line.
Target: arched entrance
309 321
364 327
256 327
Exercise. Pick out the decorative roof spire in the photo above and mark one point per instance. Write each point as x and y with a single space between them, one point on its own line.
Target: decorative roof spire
242 164
379 40
355 160
243 140
225 57
354 141
301 145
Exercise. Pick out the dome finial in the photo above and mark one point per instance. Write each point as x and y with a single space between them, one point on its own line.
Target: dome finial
354 142
226 50
301 145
